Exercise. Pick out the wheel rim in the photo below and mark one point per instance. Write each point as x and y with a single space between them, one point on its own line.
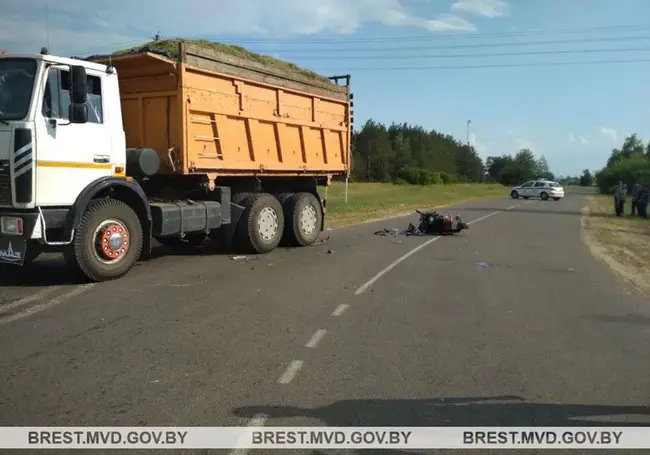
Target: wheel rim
111 241
267 223
308 219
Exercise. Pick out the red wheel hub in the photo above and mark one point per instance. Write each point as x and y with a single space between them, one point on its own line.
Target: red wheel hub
113 241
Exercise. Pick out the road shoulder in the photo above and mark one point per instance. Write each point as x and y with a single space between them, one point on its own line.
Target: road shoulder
622 243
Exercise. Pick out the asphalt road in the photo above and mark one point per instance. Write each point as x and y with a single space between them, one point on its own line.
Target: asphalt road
510 323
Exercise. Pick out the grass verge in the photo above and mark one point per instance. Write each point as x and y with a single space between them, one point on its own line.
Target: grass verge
623 243
375 201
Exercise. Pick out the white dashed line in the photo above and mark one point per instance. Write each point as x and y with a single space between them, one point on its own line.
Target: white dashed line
258 420
29 299
291 372
340 309
401 259
313 342
44 306
512 207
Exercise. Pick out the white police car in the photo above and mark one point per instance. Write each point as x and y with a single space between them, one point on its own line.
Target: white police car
542 189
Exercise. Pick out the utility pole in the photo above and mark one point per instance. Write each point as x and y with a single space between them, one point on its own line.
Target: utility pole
468 123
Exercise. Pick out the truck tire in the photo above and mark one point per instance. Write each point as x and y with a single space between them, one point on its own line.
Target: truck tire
303 218
108 241
261 226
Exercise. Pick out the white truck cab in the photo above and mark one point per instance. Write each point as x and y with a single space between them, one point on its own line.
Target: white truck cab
60 131
51 148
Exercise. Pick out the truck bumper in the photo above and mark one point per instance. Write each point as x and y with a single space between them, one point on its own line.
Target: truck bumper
16 230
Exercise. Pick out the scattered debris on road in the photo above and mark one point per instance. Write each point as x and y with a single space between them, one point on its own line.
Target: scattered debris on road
246 258
431 223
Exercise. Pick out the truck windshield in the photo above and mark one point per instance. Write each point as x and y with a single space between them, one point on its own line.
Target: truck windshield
16 85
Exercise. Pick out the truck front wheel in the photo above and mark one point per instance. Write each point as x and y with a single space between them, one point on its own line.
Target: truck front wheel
262 223
108 241
303 218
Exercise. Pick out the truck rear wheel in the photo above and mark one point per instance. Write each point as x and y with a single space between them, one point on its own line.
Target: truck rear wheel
303 218
108 241
262 224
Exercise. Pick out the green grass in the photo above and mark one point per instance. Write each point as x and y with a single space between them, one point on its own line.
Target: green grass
171 47
369 201
622 242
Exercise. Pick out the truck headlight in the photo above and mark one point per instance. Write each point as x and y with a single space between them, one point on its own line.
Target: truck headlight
11 225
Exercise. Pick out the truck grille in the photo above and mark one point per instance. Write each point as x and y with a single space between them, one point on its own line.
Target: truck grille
5 183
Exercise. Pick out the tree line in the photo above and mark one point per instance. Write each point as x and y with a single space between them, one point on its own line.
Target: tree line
407 154
629 164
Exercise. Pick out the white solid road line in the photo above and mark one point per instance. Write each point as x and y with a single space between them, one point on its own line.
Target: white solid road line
44 306
484 217
318 336
29 299
291 372
401 259
340 309
258 420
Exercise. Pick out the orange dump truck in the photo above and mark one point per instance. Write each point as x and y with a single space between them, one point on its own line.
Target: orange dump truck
177 149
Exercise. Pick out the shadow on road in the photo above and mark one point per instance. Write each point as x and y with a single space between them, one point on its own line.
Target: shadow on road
51 270
629 319
461 411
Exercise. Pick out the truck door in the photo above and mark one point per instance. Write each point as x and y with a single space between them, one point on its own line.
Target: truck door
69 156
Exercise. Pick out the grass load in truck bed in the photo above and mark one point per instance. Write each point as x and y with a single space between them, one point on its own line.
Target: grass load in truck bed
170 48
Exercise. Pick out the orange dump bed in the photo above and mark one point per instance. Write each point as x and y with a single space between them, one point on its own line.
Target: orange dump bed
214 113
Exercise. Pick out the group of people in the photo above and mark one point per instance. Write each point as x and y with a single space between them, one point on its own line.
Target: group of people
640 196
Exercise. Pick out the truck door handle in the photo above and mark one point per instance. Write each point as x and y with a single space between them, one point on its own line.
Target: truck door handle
101 159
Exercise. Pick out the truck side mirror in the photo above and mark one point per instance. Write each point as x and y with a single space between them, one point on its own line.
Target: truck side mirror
79 85
78 113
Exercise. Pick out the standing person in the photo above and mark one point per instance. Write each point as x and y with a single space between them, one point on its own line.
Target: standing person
620 193
642 201
636 189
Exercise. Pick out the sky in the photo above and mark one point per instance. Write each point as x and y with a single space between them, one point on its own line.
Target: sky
436 63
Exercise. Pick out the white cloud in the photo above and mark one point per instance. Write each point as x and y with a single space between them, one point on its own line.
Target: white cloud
584 140
480 148
486 8
609 133
77 29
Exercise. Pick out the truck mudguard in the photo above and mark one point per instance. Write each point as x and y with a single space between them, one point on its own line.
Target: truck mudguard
128 191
